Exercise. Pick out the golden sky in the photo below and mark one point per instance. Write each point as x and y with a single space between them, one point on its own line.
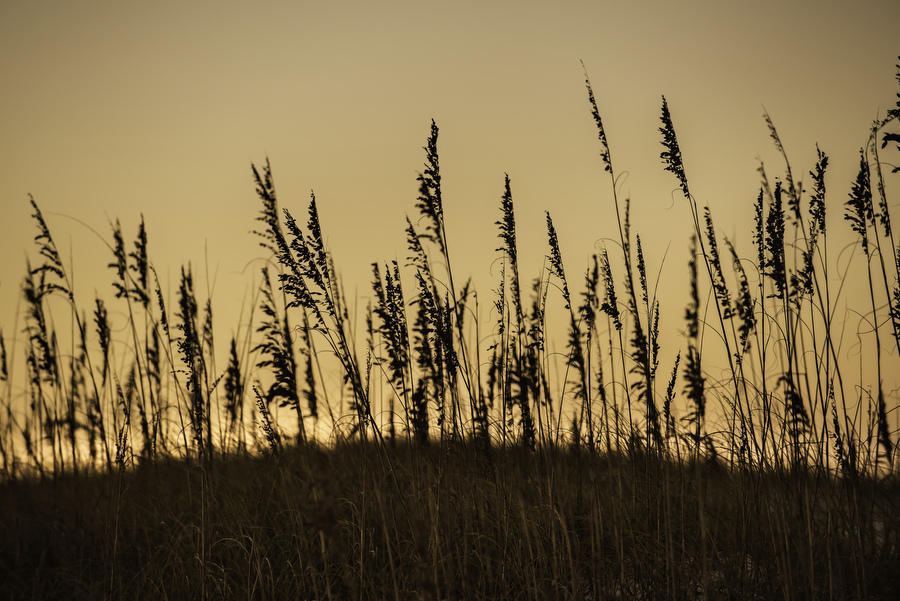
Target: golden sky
112 109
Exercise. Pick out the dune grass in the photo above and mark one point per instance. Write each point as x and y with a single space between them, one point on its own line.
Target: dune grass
421 450
448 521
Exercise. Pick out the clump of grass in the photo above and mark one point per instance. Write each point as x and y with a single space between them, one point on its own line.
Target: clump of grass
522 457
314 522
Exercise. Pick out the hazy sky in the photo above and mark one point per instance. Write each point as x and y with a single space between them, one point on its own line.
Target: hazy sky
112 109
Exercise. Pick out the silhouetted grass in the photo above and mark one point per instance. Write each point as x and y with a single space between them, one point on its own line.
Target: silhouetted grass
450 521
449 456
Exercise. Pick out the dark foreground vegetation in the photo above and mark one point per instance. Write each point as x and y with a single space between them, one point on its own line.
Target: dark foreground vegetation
441 446
448 522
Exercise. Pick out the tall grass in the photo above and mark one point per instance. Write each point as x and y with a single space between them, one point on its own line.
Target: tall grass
433 369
